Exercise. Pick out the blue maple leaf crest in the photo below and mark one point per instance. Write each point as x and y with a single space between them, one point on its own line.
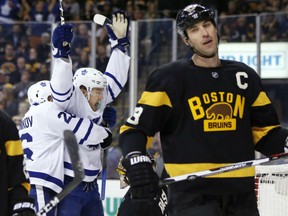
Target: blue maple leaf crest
43 84
84 72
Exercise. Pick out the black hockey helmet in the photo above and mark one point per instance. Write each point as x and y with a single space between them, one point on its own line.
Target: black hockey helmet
192 14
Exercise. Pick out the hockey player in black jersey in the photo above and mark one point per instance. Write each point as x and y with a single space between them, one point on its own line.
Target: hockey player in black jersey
14 183
210 113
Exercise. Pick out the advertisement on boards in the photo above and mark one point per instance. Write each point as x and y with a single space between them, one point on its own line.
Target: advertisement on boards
274 57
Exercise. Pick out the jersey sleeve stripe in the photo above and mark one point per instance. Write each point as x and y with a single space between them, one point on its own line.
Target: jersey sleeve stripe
78 125
114 79
61 94
111 93
68 165
261 100
87 134
47 177
155 99
14 148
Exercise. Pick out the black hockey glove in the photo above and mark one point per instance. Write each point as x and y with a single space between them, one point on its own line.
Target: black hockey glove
61 40
108 140
142 178
24 207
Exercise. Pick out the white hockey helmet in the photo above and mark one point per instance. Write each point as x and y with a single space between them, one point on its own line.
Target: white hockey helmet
39 92
89 78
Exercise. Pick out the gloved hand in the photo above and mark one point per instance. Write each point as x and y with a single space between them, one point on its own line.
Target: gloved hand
109 116
108 140
61 40
142 178
24 207
118 31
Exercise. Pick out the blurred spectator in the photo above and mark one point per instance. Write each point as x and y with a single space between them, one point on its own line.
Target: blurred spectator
283 25
40 11
9 11
21 88
118 5
232 8
33 64
8 101
23 47
227 32
89 11
2 40
43 49
71 9
15 35
84 60
8 64
105 8
102 36
273 5
43 73
81 41
21 65
23 107
270 28
241 28
102 58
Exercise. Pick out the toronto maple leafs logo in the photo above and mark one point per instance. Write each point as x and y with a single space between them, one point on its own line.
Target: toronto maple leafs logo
43 84
84 72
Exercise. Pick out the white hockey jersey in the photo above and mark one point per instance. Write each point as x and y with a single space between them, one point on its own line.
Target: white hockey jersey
41 132
72 100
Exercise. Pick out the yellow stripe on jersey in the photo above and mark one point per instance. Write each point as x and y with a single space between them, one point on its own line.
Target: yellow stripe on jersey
181 169
259 132
26 185
14 148
261 100
155 99
124 128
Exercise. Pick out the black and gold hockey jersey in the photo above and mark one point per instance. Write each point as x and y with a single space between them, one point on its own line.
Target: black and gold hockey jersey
207 118
14 183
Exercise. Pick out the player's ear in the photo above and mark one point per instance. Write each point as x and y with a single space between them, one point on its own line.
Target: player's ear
185 40
84 91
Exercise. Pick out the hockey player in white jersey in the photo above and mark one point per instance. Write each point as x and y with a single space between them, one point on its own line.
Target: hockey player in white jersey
41 132
67 94
85 95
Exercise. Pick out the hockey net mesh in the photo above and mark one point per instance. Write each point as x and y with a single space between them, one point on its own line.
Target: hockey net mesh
271 183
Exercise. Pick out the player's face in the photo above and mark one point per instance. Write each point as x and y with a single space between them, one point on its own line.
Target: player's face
95 99
203 38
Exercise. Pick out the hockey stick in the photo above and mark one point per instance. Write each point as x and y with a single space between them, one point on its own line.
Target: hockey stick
104 173
101 20
72 147
223 169
62 20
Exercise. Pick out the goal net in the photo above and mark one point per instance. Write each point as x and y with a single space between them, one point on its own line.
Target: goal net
271 183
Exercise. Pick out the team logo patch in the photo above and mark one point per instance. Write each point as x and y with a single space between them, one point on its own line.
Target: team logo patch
215 75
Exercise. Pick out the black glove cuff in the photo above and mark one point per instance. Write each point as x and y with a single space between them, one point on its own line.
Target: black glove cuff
24 207
107 141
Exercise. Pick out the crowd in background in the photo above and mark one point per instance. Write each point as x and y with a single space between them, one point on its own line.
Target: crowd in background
25 48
